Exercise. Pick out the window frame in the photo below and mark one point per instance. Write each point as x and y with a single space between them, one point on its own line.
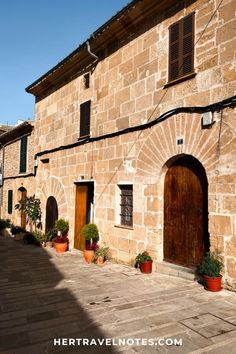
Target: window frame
23 154
85 117
178 40
126 205
10 201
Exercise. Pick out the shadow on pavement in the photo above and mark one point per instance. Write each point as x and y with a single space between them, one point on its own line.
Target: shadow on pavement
36 309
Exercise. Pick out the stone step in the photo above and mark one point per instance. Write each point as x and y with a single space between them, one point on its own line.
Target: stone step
175 270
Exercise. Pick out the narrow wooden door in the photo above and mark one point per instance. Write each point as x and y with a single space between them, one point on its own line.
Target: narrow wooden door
81 201
51 213
185 214
23 214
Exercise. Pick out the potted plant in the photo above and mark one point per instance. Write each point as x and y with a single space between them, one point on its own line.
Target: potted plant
31 206
61 241
5 225
17 232
144 262
210 269
100 254
91 235
49 236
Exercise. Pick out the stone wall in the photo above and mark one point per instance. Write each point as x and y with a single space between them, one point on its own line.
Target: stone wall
128 89
13 179
14 185
12 157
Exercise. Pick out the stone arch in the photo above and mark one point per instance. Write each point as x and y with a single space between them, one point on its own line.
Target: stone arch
209 146
159 149
54 187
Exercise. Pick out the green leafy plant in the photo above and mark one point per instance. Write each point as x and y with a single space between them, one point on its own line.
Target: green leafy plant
211 265
16 229
90 231
142 257
101 251
29 239
91 235
50 235
31 207
5 224
62 226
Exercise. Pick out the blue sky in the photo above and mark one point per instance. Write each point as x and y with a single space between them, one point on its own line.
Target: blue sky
34 36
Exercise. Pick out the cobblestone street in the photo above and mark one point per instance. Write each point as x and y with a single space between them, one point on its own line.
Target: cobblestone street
44 296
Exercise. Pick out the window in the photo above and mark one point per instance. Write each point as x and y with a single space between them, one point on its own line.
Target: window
23 154
181 48
86 80
126 205
10 198
85 118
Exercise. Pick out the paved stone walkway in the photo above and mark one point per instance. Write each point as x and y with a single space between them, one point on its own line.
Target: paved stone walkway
44 296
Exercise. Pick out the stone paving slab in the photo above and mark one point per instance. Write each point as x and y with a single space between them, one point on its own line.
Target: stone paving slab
46 296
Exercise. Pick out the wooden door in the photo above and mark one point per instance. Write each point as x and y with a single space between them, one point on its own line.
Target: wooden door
51 213
23 214
81 201
185 213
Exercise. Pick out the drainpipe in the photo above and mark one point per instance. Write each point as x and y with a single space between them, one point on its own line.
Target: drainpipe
89 50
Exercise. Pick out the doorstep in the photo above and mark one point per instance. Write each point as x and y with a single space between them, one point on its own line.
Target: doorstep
175 270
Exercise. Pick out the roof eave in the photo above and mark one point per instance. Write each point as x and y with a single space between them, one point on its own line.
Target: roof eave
16 133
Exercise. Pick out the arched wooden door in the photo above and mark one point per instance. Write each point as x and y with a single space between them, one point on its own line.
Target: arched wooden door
51 213
186 236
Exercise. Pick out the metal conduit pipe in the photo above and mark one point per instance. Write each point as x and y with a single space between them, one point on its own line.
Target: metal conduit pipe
89 50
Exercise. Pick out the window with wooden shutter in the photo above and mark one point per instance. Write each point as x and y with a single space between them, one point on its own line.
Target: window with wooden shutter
10 199
23 154
85 118
126 205
181 48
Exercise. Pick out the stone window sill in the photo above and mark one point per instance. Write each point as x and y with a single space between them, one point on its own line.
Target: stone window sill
180 79
124 227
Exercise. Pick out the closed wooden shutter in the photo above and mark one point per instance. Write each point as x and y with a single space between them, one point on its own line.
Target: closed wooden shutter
181 48
23 154
10 199
174 52
85 118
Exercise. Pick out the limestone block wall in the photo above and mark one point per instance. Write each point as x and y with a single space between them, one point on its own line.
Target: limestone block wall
12 157
13 180
14 185
128 89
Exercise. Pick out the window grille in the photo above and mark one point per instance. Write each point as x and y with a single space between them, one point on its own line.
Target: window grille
126 205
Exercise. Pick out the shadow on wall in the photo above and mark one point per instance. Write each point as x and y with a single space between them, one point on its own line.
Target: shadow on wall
36 307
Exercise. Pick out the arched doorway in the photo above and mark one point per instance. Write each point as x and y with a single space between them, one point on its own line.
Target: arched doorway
23 195
186 236
51 213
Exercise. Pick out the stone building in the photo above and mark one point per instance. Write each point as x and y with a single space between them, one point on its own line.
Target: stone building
17 175
135 131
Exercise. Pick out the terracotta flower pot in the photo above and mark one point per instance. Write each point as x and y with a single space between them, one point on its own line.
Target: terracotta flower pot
100 260
49 244
88 255
60 247
146 267
213 284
